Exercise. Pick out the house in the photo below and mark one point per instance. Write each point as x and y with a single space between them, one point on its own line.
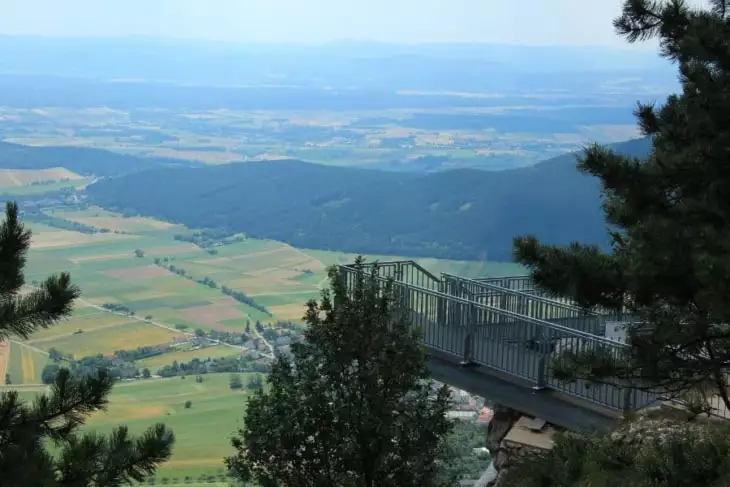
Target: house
283 340
485 415
461 415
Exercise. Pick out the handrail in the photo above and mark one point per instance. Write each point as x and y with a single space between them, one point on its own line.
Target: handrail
511 314
396 262
523 294
490 280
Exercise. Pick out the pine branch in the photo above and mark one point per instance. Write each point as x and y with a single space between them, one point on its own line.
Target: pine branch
586 275
14 245
70 402
41 308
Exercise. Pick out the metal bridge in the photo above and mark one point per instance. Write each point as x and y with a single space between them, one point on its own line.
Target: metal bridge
497 338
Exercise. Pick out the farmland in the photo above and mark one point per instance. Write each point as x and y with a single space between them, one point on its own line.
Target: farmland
20 177
172 287
420 139
145 284
202 430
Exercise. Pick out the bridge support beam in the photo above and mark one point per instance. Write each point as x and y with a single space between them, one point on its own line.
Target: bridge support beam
553 407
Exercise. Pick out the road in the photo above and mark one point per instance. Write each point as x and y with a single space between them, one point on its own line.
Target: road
168 327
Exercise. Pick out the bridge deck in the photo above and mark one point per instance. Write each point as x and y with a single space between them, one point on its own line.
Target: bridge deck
512 335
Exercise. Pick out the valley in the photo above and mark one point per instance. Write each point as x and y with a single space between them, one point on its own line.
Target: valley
199 214
154 301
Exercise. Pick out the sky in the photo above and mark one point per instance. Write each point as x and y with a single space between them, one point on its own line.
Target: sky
543 22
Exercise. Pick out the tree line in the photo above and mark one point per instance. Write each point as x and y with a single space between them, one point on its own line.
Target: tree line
239 296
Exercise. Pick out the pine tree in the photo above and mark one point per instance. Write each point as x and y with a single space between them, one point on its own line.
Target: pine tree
354 407
669 217
29 431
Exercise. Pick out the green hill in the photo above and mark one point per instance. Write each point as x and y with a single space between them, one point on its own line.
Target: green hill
460 214
81 160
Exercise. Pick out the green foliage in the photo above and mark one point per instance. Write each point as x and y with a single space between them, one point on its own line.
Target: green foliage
235 382
353 407
669 215
457 460
687 457
28 429
256 382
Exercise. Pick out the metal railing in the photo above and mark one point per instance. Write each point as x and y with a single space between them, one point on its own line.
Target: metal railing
502 339
527 304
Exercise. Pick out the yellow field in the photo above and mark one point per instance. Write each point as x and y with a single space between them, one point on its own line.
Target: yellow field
23 177
29 372
4 358
25 363
99 218
100 320
107 340
290 312
67 238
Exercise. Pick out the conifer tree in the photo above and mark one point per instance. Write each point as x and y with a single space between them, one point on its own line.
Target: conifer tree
669 218
669 267
354 407
40 441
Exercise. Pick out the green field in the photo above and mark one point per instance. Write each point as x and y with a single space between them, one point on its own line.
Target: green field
202 431
275 275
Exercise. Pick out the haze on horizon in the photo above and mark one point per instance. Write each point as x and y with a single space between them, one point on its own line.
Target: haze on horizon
529 22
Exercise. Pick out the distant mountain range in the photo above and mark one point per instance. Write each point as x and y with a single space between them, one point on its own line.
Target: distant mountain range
459 214
480 67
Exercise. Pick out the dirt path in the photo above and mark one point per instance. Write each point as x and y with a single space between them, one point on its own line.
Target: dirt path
31 347
324 281
4 359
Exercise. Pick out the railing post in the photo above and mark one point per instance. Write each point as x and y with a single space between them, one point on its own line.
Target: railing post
541 382
629 393
542 365
502 306
468 358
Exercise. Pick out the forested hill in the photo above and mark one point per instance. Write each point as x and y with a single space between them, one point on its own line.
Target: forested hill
461 214
81 160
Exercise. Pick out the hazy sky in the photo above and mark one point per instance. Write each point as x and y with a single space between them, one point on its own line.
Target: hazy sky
315 21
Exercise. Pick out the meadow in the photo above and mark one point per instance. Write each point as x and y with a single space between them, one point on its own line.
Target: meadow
202 431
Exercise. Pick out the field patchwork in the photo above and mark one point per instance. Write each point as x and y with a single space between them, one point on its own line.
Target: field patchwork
161 284
23 177
26 363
